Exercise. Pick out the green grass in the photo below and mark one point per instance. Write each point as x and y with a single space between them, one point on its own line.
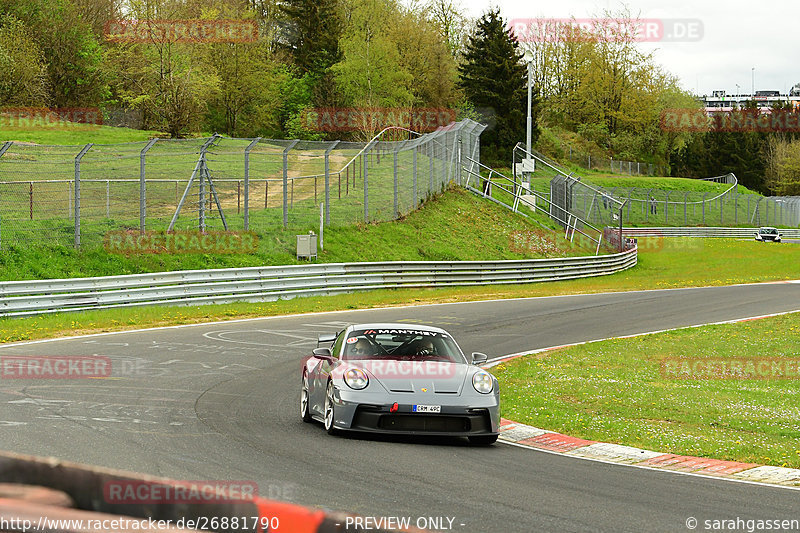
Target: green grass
616 391
455 226
666 263
68 133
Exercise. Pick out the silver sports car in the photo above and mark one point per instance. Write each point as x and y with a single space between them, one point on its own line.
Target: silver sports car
402 379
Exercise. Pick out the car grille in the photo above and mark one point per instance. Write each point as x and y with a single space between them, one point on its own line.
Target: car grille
440 423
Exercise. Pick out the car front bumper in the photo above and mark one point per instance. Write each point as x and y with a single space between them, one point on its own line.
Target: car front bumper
357 411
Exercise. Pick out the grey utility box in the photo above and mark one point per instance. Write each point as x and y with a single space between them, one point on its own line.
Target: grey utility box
307 246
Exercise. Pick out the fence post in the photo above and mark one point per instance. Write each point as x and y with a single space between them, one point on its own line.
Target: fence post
666 209
365 160
394 172
78 193
143 186
30 200
286 182
735 209
247 183
328 183
685 201
704 207
431 148
721 207
414 176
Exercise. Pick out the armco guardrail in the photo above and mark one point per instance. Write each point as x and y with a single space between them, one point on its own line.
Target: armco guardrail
729 233
194 287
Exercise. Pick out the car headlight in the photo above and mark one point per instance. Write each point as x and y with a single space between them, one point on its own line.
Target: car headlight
356 378
483 382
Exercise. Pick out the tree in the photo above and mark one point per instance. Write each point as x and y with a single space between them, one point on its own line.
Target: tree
494 78
23 75
371 72
452 26
72 53
311 33
161 77
426 58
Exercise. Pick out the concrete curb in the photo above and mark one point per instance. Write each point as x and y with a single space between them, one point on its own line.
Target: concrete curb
542 439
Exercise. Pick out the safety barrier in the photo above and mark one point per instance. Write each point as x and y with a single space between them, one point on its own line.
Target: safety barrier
728 233
78 494
195 287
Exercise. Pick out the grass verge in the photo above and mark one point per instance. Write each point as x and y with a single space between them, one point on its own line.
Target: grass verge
73 133
663 263
620 391
455 226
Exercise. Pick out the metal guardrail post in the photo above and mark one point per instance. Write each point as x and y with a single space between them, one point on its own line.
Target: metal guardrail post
78 193
250 146
143 186
328 182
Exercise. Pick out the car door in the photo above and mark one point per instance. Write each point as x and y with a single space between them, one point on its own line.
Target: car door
318 377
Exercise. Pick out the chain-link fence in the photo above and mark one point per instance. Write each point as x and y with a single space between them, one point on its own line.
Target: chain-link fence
723 206
616 166
75 195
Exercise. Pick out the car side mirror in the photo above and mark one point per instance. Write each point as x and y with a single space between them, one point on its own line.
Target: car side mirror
326 337
323 353
479 358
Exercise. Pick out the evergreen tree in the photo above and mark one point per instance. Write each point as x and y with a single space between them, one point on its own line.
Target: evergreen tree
311 34
494 80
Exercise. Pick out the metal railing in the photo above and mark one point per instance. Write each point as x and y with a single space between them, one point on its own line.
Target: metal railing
654 206
719 232
511 194
21 298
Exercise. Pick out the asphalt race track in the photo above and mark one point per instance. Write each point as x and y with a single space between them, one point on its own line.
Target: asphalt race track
221 402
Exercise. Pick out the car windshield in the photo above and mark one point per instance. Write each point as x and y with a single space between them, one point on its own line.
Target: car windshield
769 231
406 344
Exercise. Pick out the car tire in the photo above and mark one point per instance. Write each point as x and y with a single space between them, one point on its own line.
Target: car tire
483 440
304 400
330 410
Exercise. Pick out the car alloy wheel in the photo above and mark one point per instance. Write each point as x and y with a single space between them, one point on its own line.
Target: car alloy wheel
329 410
304 410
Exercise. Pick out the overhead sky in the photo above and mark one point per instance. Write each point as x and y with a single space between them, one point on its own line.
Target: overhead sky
737 35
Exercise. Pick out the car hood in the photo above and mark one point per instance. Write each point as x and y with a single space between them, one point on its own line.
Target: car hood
418 376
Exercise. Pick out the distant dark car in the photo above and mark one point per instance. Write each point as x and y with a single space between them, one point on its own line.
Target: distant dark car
768 235
400 379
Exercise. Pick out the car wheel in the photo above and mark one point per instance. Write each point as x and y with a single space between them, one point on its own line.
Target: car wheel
483 440
304 409
330 412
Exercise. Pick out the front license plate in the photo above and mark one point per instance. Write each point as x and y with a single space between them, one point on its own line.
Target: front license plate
427 408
